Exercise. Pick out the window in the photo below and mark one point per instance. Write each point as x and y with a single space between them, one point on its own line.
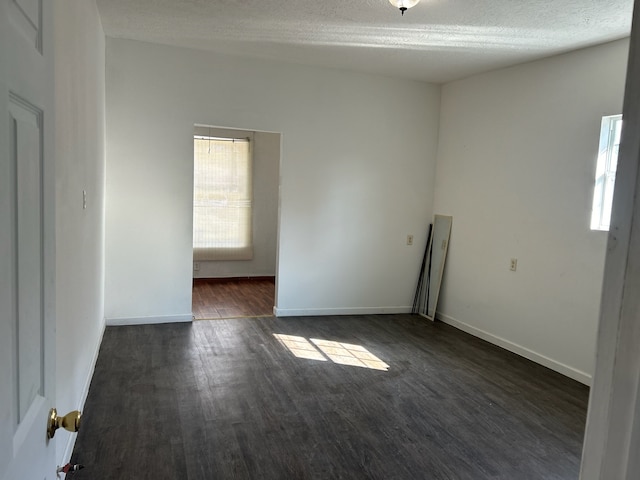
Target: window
606 172
222 198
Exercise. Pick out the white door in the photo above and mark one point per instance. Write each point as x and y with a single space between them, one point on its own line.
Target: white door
27 229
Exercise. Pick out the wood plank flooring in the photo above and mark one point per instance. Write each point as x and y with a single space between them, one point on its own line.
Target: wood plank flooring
227 399
233 297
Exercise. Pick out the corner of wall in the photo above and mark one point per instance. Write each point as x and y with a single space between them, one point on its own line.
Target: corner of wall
71 440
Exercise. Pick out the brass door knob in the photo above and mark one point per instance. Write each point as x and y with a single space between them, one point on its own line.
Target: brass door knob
70 422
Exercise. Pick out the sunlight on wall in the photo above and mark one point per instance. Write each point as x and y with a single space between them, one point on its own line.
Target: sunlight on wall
341 353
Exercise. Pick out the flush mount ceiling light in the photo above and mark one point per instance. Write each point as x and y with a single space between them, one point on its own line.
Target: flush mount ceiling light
403 5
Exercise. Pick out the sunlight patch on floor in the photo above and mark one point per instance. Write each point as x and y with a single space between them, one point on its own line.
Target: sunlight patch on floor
337 352
300 347
348 354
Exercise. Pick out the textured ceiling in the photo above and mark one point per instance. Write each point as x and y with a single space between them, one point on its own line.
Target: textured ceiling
435 41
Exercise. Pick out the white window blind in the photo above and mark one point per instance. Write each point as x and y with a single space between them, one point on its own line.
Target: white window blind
222 198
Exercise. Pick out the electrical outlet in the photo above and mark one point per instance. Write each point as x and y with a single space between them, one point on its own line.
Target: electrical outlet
409 239
196 266
514 264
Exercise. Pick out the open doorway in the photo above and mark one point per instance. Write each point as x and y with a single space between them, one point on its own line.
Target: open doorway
235 211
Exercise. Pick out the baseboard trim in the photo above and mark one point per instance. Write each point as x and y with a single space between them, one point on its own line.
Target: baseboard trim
307 312
120 321
71 439
235 278
566 370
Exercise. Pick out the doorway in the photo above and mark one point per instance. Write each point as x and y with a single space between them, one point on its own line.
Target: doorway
233 279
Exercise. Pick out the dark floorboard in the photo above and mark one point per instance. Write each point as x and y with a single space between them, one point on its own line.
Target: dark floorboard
226 399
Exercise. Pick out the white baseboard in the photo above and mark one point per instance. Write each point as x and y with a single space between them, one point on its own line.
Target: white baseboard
71 439
566 370
306 312
198 275
187 317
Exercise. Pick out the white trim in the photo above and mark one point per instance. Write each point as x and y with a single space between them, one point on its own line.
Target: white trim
570 372
305 312
71 439
186 317
242 276
612 434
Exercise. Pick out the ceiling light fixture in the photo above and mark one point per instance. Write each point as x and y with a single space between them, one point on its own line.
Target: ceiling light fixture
403 5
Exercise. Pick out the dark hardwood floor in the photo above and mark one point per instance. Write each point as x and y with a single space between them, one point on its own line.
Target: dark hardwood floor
215 298
236 399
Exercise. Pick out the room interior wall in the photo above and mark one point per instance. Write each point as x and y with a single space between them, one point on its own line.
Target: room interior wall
356 176
516 167
266 178
80 165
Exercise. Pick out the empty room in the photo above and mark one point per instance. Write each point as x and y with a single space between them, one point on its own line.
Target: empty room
290 163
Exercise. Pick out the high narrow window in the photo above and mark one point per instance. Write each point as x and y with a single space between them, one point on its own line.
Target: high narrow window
607 164
222 198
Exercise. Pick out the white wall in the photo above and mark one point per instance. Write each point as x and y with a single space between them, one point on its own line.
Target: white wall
80 165
266 180
357 173
516 164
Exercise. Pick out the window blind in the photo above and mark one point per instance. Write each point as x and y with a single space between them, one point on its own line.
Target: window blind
222 199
